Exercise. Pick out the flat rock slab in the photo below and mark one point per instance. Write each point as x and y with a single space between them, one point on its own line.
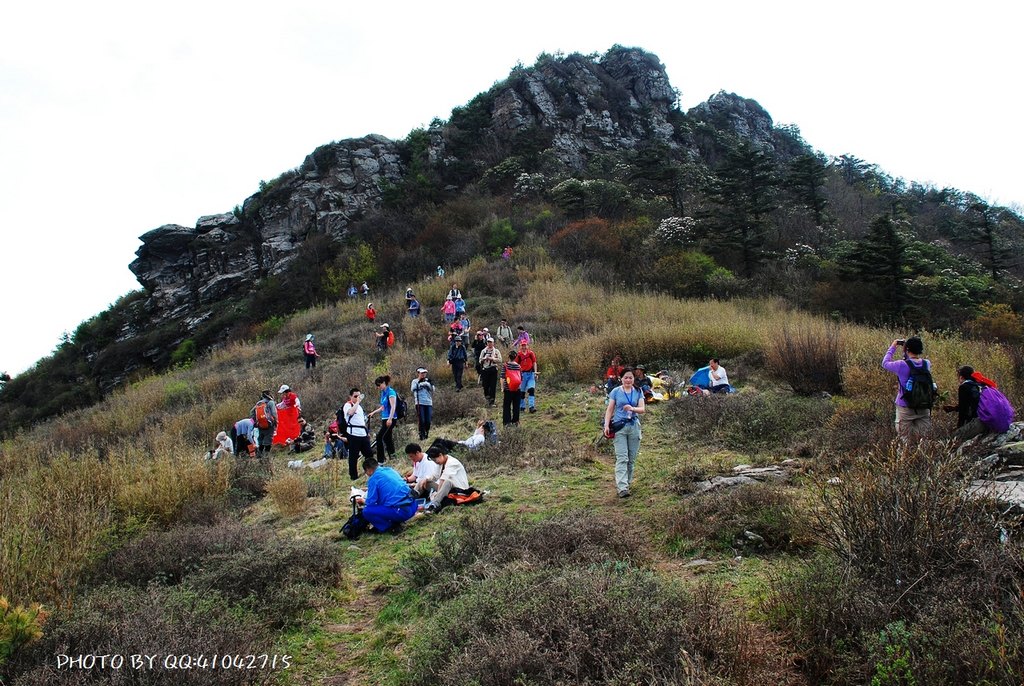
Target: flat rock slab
1008 492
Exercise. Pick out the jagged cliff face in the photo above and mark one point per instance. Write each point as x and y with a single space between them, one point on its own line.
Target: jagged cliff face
590 107
583 106
188 270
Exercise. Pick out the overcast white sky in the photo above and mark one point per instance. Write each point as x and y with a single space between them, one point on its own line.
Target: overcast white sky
117 117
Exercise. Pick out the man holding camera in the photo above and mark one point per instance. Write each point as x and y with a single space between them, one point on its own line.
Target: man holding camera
423 394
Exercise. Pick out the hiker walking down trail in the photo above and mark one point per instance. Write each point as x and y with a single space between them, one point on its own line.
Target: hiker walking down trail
448 310
423 394
527 360
511 395
504 334
365 289
916 393
309 350
478 345
521 337
385 338
356 429
490 364
440 272
371 314
388 408
622 420
455 293
264 417
352 291
457 360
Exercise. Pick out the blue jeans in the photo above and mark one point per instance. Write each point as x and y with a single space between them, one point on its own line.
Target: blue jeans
383 517
528 390
627 444
424 413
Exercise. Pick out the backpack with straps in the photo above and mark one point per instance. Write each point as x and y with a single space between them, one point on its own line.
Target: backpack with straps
260 416
994 410
513 378
919 391
356 524
401 407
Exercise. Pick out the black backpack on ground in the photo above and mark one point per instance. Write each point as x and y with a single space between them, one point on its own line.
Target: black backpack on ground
919 393
356 524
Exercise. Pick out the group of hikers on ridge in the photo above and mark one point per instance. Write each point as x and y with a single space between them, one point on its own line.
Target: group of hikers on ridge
980 407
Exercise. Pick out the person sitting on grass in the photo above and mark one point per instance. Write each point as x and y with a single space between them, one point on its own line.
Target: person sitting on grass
453 478
477 438
388 500
719 379
424 472
306 439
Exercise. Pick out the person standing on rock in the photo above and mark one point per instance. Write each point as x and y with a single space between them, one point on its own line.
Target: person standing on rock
622 420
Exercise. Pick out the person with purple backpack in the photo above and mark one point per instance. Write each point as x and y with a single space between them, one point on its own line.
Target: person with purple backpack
916 393
981 407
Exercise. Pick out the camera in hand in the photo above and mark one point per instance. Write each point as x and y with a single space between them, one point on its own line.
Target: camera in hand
901 341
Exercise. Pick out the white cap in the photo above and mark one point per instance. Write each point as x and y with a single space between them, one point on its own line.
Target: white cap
421 370
284 387
309 336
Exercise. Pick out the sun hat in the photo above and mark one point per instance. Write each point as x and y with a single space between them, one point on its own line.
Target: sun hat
421 370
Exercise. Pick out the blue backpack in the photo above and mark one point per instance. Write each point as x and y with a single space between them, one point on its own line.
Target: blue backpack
994 410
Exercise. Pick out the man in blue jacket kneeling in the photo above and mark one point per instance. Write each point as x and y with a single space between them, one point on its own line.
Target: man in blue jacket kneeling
388 500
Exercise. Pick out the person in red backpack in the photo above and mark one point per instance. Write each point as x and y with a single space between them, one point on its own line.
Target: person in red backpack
511 385
264 417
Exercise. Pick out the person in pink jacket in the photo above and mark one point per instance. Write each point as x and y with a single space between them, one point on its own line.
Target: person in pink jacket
449 310
310 351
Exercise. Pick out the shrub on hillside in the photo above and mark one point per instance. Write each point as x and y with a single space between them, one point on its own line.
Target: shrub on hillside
750 422
720 520
484 543
115 620
288 493
167 557
248 479
902 517
276 580
598 624
918 570
496 279
809 360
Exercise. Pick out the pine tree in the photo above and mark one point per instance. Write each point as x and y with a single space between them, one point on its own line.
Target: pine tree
744 192
806 179
982 227
880 258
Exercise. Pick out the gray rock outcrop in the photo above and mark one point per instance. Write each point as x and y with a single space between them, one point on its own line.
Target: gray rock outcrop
186 270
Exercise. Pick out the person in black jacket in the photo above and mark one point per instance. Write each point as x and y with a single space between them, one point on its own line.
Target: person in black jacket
457 360
479 343
968 394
